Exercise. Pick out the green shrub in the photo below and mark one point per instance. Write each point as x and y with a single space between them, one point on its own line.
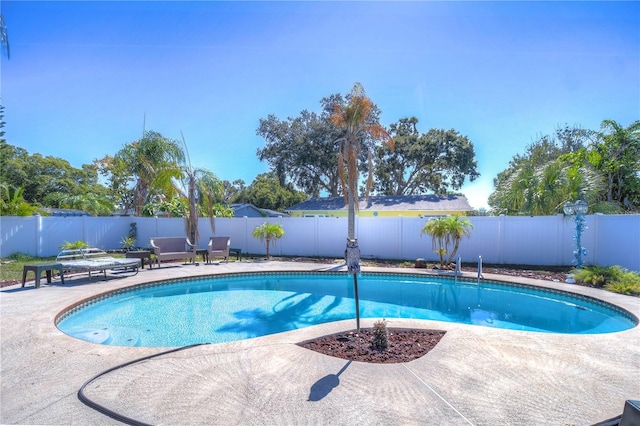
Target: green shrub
628 283
598 276
612 278
20 257
624 288
380 334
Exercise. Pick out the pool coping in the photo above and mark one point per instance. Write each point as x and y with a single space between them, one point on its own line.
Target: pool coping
475 375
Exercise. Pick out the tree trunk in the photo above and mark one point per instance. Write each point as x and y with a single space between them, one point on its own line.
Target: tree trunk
351 229
353 252
454 251
193 213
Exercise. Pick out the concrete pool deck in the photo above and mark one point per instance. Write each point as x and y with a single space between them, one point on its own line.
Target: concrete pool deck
475 375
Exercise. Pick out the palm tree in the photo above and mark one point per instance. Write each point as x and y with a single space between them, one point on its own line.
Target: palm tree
437 229
618 158
155 162
12 203
209 189
268 233
203 189
447 231
357 120
458 227
4 37
543 190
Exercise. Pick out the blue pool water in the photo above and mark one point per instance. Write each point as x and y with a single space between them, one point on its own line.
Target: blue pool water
234 307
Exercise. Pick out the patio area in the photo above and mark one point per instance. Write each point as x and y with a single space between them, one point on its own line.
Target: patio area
475 375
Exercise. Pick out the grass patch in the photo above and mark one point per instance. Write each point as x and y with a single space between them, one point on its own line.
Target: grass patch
11 267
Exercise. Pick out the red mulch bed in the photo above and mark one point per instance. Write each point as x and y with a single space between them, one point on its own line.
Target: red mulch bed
404 345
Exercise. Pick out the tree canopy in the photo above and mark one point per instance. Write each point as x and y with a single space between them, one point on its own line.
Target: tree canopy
52 181
617 157
154 174
303 150
600 167
266 192
151 163
438 161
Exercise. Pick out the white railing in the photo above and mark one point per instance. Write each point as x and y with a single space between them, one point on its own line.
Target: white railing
538 240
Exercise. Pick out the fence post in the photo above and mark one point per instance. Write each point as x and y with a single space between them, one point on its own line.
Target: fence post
560 239
84 232
316 237
38 235
596 236
400 236
245 220
501 220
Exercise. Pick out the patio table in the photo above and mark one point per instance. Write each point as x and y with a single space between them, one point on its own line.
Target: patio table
38 269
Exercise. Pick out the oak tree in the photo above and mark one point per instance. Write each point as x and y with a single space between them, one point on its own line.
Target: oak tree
438 161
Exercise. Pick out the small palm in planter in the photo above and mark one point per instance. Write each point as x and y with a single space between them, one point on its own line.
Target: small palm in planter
78 245
127 243
268 233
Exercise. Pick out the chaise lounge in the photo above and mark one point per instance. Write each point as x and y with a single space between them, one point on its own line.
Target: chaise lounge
93 259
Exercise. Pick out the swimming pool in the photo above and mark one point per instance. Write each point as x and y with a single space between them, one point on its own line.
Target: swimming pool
224 308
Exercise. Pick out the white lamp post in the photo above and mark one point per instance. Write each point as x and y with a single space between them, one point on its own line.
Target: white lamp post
578 210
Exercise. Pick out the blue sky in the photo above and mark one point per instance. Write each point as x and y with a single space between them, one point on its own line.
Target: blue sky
84 77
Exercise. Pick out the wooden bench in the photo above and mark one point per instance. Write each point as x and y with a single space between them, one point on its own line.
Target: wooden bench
38 269
173 248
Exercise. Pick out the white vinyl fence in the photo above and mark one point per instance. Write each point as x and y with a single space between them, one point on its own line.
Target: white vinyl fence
538 240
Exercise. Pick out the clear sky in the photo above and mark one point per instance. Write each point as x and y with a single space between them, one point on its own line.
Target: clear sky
85 77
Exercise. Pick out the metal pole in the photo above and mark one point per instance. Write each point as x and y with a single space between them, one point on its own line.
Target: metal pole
353 267
355 291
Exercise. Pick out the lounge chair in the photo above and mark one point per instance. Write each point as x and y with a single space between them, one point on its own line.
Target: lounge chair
93 259
219 247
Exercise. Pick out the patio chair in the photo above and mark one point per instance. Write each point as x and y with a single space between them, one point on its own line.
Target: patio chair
219 247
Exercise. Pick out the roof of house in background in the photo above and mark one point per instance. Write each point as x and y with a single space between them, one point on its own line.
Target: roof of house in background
64 212
249 210
389 202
